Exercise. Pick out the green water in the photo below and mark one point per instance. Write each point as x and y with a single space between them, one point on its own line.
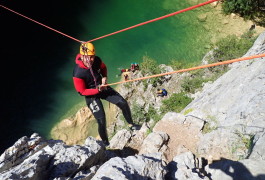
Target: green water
180 37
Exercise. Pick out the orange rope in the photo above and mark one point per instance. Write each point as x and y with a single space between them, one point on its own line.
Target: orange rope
193 68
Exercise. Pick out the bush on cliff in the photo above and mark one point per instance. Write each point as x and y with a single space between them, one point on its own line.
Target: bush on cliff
232 47
149 67
248 9
175 103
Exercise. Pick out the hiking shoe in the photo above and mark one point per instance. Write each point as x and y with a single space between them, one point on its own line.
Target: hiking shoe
133 127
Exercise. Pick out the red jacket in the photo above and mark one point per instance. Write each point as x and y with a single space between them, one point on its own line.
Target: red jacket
86 82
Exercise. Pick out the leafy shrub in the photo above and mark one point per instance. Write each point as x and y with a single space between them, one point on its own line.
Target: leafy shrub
149 66
153 114
138 113
190 85
247 140
248 9
180 64
140 116
233 47
177 65
176 103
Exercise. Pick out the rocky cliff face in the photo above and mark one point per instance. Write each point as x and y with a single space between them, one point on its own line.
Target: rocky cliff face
219 135
234 106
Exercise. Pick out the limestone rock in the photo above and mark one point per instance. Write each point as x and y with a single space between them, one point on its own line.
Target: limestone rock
154 142
132 167
120 139
54 160
185 167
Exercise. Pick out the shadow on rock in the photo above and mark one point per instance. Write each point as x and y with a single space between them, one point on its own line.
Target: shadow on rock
235 169
123 153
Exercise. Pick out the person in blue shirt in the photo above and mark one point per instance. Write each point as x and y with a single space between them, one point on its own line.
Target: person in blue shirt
164 92
161 92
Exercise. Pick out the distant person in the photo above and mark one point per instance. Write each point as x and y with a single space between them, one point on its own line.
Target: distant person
164 92
134 67
90 80
161 92
126 75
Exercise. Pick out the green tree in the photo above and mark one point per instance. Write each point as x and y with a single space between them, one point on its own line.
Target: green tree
248 9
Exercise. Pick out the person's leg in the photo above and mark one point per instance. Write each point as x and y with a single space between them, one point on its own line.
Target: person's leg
115 98
96 107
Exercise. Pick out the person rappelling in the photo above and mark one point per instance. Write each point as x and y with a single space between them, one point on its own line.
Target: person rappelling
90 80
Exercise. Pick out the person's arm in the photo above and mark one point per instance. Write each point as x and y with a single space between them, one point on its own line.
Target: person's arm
81 88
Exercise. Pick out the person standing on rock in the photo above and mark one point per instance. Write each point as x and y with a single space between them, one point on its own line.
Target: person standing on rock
90 80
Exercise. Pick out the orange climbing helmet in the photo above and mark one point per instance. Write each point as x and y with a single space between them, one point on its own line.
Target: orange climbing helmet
87 49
